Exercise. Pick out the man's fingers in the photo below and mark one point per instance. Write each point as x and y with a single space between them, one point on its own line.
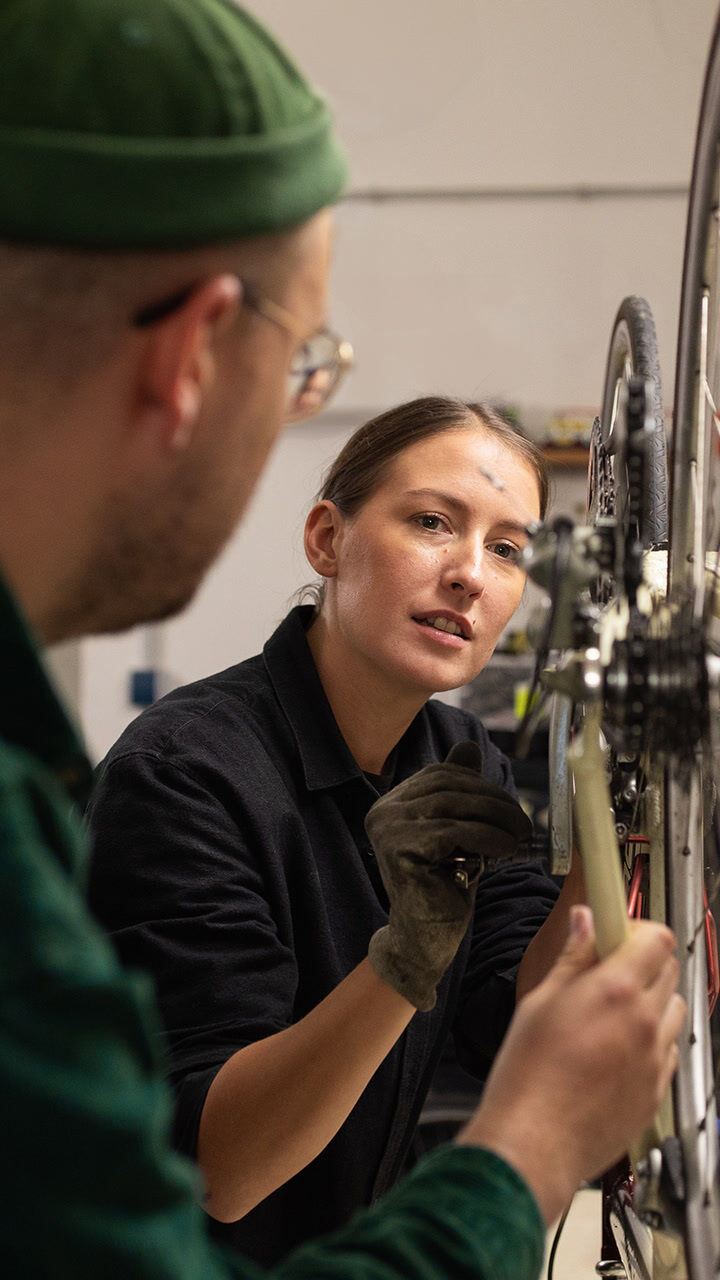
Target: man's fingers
669 1068
645 953
579 953
660 991
672 1020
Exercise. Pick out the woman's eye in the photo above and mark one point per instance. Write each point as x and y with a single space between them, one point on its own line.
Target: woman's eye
506 551
434 523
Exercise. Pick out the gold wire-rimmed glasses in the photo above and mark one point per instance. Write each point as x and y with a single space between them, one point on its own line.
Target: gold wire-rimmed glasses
318 366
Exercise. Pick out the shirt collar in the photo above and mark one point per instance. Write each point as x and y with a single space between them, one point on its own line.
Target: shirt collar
31 716
326 758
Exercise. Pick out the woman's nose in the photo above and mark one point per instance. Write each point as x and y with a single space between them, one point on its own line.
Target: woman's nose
467 573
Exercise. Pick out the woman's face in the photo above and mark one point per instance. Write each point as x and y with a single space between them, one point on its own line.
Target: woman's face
426 574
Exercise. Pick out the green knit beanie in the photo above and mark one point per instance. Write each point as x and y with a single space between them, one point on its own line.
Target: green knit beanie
154 123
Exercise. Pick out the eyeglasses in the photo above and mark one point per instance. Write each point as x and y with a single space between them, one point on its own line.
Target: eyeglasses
318 366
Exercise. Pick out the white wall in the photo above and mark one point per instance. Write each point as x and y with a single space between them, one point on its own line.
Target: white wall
517 168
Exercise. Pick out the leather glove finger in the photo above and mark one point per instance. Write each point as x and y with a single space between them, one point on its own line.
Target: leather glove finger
445 838
468 754
494 808
431 893
434 778
460 771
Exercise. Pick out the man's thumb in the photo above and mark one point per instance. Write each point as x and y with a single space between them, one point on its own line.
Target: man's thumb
579 952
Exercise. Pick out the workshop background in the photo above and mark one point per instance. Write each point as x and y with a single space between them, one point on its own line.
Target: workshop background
516 170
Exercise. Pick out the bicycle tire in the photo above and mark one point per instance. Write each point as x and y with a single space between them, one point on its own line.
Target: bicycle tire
689 823
633 350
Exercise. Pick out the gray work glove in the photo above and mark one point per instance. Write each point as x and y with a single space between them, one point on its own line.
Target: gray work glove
431 835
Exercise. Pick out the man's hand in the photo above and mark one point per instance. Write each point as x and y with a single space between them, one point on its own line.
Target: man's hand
431 835
586 1061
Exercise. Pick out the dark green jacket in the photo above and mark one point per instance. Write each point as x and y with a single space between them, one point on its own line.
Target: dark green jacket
88 1184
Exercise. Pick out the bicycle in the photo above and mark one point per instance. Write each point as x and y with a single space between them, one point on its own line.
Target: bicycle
634 630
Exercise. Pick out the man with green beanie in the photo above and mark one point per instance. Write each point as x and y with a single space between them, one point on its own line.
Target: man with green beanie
164 245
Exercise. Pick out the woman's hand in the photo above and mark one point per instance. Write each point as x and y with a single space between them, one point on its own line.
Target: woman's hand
431 836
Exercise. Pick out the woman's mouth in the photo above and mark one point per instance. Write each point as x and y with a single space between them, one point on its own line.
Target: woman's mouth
440 622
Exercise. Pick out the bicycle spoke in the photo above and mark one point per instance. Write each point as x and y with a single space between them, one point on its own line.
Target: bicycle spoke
711 403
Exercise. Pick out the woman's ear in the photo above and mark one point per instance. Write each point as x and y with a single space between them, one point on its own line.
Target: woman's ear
323 529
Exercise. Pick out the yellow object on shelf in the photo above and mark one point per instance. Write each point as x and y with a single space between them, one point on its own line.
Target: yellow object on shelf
521 699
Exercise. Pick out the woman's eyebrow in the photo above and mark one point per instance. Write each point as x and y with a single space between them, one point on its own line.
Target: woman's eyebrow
440 496
449 500
512 526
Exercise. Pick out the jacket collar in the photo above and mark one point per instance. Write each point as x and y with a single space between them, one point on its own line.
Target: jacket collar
31 716
325 756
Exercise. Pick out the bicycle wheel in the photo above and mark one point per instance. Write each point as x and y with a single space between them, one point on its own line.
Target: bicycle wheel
627 488
642 519
691 778
633 350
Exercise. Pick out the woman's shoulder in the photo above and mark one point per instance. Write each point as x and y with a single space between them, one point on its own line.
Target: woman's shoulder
215 709
240 723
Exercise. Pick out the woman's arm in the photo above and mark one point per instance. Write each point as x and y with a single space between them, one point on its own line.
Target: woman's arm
276 1104
549 941
204 904
305 1080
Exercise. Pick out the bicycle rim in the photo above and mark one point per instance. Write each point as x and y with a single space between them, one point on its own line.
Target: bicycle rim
691 819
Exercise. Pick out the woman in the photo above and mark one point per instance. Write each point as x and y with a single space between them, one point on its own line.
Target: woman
232 860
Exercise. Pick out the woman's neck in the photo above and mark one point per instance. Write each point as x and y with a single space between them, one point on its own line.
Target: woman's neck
372 715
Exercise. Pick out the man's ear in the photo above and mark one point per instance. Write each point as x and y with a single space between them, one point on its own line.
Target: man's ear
323 534
178 361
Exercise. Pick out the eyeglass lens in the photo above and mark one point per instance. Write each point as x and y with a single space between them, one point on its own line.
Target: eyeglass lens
314 375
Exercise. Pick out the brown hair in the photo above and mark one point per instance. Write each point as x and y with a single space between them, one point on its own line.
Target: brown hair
363 461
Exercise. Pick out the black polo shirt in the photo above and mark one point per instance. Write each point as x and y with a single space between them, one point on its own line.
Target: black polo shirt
231 861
